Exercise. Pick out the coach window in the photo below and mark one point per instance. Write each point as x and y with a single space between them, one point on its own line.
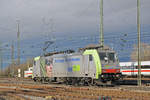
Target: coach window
136 67
145 67
30 69
90 58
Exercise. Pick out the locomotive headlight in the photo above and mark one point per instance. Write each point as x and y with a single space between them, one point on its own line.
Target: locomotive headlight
103 70
117 75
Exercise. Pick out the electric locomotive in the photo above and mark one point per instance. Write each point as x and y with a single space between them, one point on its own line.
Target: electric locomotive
89 66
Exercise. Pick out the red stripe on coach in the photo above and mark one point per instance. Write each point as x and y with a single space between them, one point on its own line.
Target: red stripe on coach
136 71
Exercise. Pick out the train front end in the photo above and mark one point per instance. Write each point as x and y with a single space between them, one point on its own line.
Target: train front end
110 65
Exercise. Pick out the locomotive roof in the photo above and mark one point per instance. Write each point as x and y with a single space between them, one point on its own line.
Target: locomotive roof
96 46
63 55
81 50
60 52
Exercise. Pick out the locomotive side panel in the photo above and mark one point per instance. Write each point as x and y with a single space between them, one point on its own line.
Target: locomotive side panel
59 67
71 66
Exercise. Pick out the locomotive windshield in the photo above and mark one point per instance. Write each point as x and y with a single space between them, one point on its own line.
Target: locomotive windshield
102 55
107 56
111 56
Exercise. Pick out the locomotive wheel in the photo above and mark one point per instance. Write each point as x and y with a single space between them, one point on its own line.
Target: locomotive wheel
88 81
75 82
35 79
81 82
68 81
42 80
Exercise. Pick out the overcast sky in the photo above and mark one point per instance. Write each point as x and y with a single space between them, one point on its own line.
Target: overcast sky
38 17
41 18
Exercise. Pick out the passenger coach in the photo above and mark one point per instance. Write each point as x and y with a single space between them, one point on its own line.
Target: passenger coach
131 68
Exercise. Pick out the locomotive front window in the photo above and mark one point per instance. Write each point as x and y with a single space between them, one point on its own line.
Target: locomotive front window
47 62
102 55
111 56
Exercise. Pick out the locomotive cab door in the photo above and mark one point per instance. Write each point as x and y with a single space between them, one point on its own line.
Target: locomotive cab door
89 66
85 65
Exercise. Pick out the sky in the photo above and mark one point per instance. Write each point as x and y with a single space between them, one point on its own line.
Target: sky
44 18
69 16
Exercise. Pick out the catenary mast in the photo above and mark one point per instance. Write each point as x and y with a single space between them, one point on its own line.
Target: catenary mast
18 43
139 40
101 41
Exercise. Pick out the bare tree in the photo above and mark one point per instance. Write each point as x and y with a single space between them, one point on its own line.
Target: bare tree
145 52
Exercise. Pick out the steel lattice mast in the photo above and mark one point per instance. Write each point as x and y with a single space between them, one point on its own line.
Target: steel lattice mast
139 40
18 43
101 24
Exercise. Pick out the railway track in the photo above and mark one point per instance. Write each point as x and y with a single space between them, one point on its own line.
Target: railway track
143 78
26 90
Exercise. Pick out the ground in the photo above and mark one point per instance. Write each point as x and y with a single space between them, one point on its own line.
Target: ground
26 89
